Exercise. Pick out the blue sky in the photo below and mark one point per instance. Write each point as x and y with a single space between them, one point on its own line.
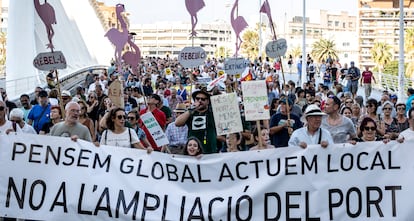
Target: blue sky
150 11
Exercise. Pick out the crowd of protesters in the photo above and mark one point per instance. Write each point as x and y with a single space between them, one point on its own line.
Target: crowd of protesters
300 115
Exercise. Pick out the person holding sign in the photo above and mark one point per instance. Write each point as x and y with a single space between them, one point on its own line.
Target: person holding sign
280 126
312 133
200 121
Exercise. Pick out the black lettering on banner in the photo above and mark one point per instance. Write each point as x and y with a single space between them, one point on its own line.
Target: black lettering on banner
229 208
334 204
308 218
33 153
267 209
187 174
68 156
210 206
390 166
249 202
358 202
375 202
50 152
196 204
238 170
171 172
104 202
42 191
288 165
182 208
63 203
81 157
19 197
106 162
139 170
277 164
291 206
126 169
314 164
394 202
200 178
126 209
225 173
17 150
256 166
164 207
329 165
379 163
359 161
343 161
161 171
80 210
147 207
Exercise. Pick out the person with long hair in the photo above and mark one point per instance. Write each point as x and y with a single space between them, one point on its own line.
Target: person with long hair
117 134
55 117
368 130
234 142
85 119
372 106
262 139
193 147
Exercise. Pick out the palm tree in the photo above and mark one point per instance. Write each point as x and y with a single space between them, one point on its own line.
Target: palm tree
3 38
250 45
322 49
409 51
222 52
381 54
295 52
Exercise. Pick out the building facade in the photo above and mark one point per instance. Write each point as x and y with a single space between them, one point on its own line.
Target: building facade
164 38
378 21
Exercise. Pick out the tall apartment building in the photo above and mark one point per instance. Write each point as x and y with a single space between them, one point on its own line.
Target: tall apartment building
164 38
341 28
378 21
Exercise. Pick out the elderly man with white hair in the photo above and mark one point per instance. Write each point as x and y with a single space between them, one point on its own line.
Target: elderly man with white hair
312 133
16 117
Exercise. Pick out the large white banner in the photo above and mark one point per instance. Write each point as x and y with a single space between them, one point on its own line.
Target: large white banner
57 179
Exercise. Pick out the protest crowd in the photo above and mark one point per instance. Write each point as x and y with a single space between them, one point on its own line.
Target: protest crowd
179 99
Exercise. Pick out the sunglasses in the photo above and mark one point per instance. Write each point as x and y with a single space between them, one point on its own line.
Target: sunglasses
400 108
131 118
120 117
201 98
349 102
370 128
386 108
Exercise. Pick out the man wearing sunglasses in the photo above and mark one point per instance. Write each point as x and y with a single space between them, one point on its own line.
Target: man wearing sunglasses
200 121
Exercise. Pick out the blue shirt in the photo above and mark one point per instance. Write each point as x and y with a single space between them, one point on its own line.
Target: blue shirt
281 138
40 116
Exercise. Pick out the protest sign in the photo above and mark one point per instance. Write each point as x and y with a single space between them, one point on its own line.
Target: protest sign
155 129
276 49
226 113
192 56
50 61
255 101
234 66
58 179
116 93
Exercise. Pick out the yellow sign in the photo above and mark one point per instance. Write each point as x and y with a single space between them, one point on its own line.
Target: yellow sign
221 72
168 71
238 75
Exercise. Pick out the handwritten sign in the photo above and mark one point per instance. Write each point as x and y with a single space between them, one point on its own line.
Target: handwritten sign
275 49
155 129
116 93
234 66
226 113
255 101
192 56
50 61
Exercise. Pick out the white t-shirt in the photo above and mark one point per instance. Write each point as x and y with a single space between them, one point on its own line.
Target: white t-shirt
5 127
408 134
120 140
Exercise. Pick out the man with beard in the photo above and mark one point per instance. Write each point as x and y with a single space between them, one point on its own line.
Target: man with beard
200 121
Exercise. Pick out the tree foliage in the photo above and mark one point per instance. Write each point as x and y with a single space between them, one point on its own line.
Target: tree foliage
322 49
250 45
381 54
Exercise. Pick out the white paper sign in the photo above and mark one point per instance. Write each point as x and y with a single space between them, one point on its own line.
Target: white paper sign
226 113
50 61
155 129
255 100
234 66
275 49
192 56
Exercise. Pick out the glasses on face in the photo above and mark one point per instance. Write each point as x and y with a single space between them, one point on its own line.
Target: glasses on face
131 118
201 98
386 108
370 128
400 108
16 121
348 102
120 117
2 108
